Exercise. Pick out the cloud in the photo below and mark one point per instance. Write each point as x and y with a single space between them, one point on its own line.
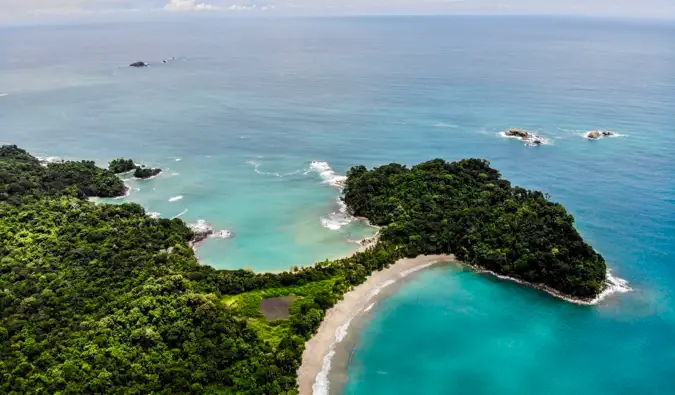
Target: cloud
252 7
188 5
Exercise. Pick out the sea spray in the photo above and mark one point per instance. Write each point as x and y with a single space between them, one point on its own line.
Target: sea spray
339 218
327 173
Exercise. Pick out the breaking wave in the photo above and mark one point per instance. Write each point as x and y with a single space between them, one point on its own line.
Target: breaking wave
339 218
256 167
532 140
180 214
327 173
176 198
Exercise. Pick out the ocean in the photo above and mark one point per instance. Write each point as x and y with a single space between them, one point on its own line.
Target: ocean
242 107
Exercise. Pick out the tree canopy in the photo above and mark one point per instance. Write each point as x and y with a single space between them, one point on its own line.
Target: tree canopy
467 209
99 298
121 165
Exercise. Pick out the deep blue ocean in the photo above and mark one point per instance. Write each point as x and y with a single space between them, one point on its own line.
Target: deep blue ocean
237 116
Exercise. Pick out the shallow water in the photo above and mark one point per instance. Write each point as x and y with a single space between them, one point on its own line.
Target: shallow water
273 95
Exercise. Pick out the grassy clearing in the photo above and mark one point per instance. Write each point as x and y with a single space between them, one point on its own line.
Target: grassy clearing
248 305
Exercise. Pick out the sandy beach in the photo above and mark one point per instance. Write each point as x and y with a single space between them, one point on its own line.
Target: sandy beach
312 375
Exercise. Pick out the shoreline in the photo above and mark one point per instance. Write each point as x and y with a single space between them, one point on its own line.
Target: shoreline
315 370
319 350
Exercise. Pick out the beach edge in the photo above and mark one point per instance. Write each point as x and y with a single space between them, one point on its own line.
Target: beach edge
319 349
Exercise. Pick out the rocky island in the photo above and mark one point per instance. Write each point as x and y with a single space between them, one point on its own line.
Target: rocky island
524 135
121 166
91 289
139 64
598 134
143 172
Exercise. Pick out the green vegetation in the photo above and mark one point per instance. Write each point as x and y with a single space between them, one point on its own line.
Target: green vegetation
466 209
23 176
143 172
103 299
121 165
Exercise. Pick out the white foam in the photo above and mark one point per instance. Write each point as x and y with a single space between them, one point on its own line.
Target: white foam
321 385
201 226
256 167
416 269
613 134
337 219
382 286
127 192
178 159
137 189
223 234
529 141
613 285
180 214
175 174
176 198
153 214
327 173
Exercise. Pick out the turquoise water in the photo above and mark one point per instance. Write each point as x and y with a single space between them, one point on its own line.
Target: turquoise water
278 94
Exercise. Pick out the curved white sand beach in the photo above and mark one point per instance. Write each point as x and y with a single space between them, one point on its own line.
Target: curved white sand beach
312 375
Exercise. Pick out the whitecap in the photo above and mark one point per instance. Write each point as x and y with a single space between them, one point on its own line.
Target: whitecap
321 385
178 159
613 285
327 173
529 141
175 174
223 234
612 135
127 192
201 226
256 167
337 219
382 286
180 214
176 198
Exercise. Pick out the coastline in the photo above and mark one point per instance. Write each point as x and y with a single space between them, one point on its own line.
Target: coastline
316 359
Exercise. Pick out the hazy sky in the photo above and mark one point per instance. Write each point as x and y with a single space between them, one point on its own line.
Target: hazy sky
22 9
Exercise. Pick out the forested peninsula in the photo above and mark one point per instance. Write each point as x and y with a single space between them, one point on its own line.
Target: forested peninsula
101 298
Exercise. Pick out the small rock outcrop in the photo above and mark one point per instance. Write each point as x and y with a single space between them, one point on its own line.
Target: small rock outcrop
525 136
146 172
597 134
139 64
594 135
515 132
201 231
